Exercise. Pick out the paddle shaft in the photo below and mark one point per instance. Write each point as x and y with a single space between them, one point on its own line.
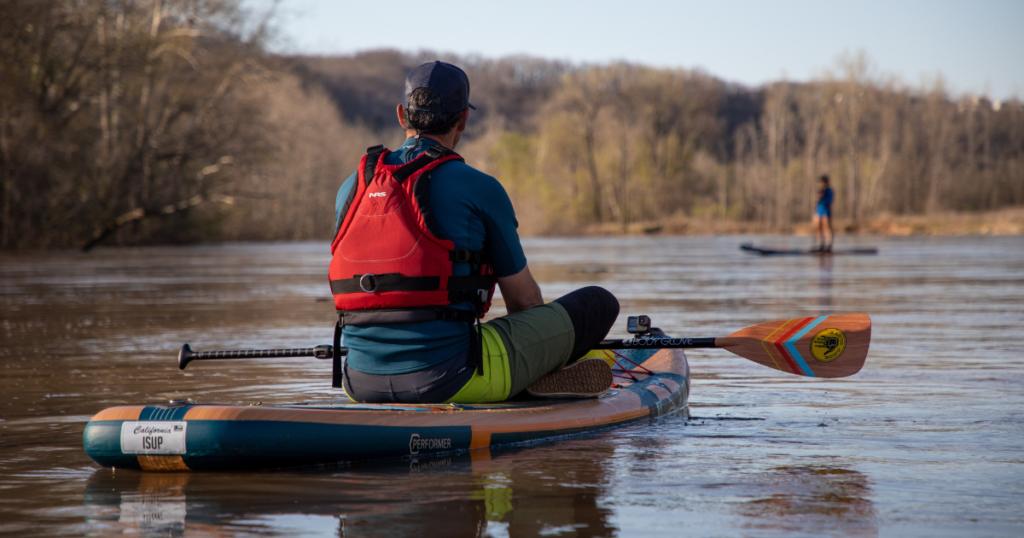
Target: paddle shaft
186 355
657 342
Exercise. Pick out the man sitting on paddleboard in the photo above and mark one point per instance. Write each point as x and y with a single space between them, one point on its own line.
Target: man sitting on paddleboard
823 215
422 239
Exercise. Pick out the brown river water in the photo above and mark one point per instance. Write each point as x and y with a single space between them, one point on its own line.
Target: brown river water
927 440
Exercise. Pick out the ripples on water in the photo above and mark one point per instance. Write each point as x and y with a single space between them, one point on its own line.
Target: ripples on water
926 440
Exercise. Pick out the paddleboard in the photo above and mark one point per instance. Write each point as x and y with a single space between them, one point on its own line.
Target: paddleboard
188 436
863 251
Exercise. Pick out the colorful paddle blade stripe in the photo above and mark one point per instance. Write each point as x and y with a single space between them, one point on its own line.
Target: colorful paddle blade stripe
787 345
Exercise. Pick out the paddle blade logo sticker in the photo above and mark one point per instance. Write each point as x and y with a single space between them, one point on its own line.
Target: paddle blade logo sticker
828 345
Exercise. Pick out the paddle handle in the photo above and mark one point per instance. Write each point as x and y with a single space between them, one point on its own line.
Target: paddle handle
657 342
186 355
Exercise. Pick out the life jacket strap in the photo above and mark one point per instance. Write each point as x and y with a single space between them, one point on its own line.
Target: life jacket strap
371 283
336 380
461 255
460 288
404 315
372 156
470 289
476 348
424 159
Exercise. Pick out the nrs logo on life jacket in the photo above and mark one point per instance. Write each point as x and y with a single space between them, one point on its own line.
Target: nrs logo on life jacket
387 266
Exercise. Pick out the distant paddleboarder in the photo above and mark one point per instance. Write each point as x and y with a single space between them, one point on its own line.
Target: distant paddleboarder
823 215
823 229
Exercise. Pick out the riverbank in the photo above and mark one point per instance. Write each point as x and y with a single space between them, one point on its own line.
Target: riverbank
1002 222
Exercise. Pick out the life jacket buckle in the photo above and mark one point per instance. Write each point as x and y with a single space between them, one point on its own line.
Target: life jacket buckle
368 283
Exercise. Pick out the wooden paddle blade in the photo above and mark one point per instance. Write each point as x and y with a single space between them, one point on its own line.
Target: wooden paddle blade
819 346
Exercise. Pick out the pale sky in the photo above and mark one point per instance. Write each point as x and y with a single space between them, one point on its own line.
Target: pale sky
977 46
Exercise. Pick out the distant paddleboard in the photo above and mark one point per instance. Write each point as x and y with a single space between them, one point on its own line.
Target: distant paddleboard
866 251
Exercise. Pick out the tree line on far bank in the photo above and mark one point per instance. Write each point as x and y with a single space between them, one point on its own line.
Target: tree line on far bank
131 123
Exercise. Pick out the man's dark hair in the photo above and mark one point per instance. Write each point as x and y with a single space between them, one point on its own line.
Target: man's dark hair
824 177
422 120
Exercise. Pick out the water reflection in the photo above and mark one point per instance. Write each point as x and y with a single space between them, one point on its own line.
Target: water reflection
511 493
813 499
825 283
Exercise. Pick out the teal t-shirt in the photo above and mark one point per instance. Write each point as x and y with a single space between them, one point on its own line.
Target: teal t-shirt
471 209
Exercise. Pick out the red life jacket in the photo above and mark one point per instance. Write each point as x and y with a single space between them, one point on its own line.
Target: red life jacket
387 265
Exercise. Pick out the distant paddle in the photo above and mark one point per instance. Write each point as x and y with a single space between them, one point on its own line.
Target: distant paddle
818 346
833 345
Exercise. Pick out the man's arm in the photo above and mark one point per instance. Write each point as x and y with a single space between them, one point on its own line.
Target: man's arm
520 291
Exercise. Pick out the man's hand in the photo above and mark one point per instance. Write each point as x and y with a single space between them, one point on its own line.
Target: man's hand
520 291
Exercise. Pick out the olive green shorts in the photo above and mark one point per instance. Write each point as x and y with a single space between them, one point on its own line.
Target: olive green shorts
517 350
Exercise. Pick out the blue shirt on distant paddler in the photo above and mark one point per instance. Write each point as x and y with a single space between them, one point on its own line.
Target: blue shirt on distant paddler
824 206
823 215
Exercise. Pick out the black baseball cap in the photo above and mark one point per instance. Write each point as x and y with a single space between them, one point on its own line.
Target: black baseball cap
446 82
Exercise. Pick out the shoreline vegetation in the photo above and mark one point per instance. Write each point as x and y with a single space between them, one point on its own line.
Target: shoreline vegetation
170 122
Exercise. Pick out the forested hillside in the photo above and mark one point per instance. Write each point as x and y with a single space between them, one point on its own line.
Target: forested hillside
127 123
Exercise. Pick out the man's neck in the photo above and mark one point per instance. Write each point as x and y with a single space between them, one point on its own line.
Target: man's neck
447 140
